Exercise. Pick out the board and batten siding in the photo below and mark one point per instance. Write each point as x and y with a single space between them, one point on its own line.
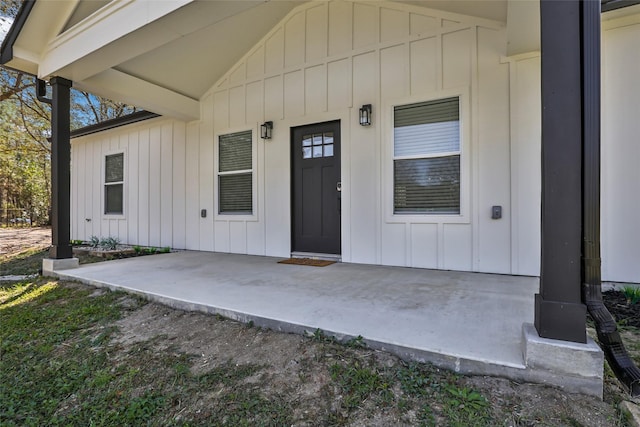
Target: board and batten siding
322 62
620 219
620 155
156 194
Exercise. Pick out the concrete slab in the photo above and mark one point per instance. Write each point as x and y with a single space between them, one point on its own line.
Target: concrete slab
50 265
581 365
467 322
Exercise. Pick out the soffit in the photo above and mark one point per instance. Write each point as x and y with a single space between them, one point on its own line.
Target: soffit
495 10
83 10
190 65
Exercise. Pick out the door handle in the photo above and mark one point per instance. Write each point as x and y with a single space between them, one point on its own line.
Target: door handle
339 187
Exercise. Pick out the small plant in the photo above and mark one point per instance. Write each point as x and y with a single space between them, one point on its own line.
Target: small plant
320 336
150 251
356 342
632 293
137 249
94 241
75 242
110 243
466 407
357 383
165 250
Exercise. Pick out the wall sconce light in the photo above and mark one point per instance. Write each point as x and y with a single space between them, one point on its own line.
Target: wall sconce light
265 130
365 115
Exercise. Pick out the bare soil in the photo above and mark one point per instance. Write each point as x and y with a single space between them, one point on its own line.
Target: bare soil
297 369
17 239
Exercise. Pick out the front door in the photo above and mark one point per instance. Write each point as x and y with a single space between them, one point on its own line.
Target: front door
316 188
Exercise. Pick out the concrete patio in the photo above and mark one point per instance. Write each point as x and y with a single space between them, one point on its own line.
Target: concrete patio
467 322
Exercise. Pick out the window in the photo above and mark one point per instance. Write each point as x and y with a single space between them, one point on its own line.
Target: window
317 145
426 157
235 173
113 184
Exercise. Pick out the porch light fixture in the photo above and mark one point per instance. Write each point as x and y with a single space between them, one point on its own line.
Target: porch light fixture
265 130
365 115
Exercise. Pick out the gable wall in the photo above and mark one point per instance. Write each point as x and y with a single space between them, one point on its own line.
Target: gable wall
322 63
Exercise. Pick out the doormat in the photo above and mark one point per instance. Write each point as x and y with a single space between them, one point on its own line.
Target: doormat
307 261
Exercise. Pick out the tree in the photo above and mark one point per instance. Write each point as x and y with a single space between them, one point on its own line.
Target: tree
25 148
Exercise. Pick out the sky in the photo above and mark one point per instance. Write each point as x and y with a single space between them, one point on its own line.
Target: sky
5 24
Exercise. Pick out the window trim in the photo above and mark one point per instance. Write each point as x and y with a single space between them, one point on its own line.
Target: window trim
240 216
122 215
465 165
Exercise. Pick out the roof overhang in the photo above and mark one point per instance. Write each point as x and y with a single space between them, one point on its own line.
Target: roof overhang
164 55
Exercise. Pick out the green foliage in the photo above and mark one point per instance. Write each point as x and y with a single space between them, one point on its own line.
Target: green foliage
137 249
109 243
319 336
357 383
58 368
24 138
76 242
356 342
632 293
28 261
465 407
416 379
165 250
94 241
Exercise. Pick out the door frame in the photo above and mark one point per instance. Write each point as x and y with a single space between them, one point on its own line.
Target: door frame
339 122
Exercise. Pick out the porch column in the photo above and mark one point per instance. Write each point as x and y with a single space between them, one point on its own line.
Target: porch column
559 311
60 169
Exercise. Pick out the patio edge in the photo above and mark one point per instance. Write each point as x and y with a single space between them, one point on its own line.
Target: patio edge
589 385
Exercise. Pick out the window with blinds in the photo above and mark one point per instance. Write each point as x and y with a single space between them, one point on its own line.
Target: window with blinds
426 157
114 184
235 173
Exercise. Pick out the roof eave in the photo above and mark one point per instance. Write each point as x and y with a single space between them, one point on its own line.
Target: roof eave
609 5
6 51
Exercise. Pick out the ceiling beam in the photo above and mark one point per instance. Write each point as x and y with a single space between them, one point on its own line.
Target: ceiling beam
115 84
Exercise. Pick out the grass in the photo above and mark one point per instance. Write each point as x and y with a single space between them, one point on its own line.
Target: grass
28 261
60 366
57 368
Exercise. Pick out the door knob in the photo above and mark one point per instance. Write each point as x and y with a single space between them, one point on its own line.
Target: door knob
339 186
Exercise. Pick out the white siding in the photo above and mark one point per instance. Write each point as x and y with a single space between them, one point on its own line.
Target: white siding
620 175
321 63
156 191
621 153
525 165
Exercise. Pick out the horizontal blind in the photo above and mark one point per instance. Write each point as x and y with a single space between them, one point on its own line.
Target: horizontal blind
430 185
114 168
427 128
235 152
235 193
113 199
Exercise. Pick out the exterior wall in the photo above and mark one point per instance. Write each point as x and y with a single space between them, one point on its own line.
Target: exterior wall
620 199
156 191
322 63
621 150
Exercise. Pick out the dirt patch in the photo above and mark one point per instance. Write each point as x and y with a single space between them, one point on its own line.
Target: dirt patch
300 371
625 313
17 239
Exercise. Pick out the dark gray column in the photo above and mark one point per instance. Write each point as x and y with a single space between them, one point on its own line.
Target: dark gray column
60 169
559 311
